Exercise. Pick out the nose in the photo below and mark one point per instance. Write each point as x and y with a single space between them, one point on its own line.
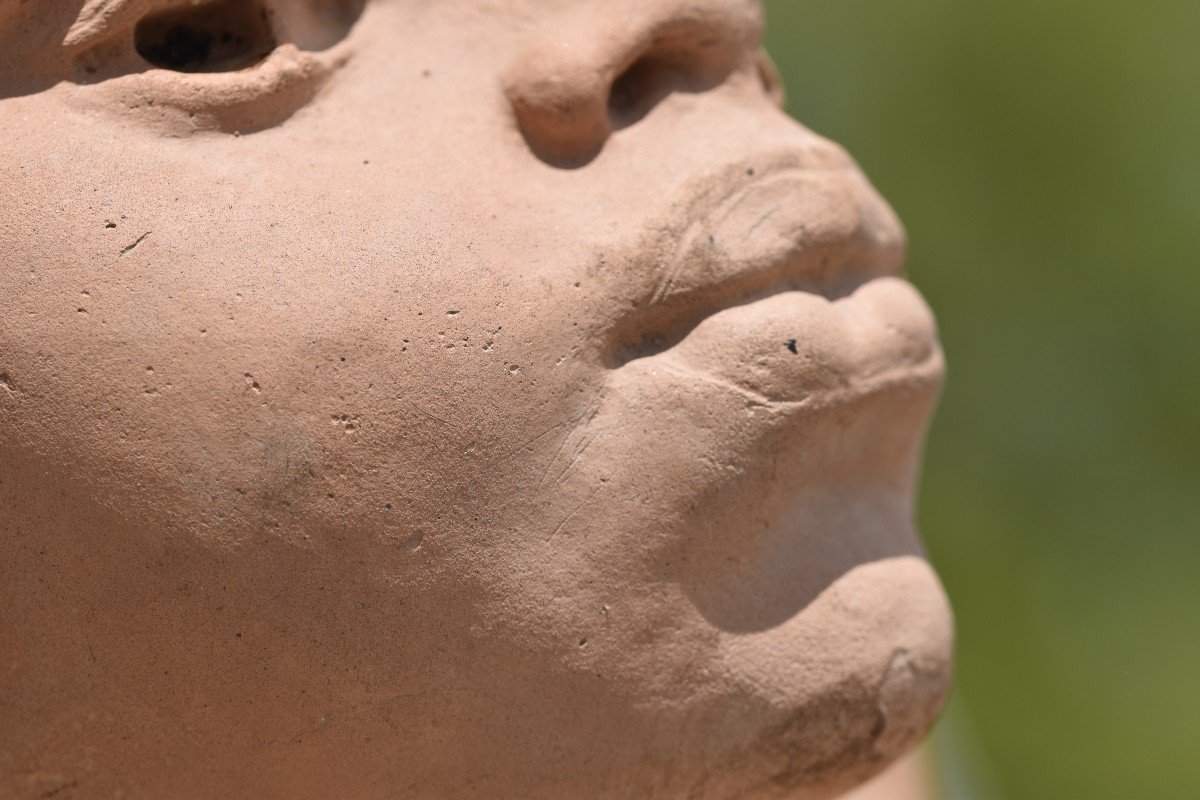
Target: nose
597 67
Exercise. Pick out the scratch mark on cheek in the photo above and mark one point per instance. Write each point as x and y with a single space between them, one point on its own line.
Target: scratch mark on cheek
571 515
129 248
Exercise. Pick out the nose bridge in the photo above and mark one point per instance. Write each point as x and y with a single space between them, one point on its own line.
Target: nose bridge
561 81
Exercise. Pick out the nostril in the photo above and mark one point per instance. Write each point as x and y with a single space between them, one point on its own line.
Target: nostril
217 36
661 72
587 73
641 87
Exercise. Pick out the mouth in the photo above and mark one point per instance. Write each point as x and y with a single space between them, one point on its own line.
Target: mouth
753 232
785 282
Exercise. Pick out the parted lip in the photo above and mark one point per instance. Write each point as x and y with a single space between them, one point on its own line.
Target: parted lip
793 221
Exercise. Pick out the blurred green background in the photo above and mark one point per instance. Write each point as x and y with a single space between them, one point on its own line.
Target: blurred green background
1045 157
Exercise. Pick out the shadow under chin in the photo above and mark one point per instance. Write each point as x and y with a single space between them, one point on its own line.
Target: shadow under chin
783 564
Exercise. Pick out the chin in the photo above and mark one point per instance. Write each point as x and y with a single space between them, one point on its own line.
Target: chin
845 687
808 708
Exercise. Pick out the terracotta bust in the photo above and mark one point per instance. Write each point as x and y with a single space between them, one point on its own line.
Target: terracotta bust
455 399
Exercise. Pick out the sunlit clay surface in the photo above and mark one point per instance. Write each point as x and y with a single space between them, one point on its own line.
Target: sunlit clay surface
448 399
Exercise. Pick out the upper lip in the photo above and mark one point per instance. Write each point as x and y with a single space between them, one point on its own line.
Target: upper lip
756 228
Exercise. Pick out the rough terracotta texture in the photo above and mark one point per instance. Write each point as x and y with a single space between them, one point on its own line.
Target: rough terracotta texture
469 399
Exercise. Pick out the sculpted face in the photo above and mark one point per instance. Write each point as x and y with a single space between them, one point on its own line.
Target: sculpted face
447 399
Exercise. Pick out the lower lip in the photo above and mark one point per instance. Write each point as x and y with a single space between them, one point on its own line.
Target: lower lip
795 346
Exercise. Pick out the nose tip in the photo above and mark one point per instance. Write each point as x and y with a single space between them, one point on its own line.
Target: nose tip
591 70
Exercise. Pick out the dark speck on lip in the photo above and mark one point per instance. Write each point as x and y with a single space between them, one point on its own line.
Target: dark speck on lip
791 345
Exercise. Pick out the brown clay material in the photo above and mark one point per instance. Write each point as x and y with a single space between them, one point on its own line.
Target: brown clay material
449 399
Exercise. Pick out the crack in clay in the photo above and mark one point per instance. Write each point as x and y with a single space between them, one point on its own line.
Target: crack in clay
571 516
432 416
753 397
677 260
763 220
584 421
587 442
527 444
129 248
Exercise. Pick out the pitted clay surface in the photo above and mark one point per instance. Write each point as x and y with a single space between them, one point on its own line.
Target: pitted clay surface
448 399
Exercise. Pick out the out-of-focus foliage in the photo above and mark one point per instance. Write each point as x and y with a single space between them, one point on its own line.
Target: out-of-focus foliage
1045 157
